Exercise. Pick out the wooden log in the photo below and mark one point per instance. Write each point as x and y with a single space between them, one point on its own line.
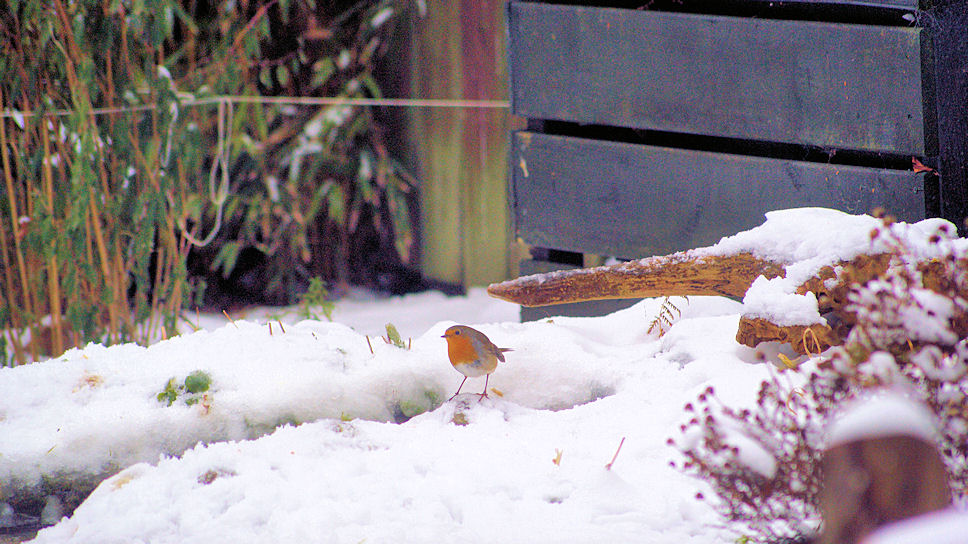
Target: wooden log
577 309
804 339
832 284
702 272
680 274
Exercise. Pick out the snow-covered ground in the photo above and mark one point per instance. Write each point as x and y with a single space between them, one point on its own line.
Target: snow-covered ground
317 433
466 471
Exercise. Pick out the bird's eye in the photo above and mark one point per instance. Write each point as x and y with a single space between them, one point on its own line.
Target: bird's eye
457 332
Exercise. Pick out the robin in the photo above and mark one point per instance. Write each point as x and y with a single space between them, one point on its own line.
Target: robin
472 354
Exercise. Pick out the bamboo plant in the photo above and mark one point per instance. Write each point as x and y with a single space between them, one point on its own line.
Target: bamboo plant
121 157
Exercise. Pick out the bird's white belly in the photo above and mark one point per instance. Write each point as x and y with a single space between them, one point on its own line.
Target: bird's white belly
473 370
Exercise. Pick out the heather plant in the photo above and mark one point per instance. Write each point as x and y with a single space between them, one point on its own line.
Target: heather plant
907 328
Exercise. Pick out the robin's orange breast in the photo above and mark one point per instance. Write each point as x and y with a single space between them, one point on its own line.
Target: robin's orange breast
461 350
467 359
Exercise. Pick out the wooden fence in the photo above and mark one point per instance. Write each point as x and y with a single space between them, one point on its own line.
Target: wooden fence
660 127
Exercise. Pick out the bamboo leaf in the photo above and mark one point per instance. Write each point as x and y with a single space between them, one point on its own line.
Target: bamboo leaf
322 71
226 258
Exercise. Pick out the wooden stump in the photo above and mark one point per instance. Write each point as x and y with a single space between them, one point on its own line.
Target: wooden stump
870 483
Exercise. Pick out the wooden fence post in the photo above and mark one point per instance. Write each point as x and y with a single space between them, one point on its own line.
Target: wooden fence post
458 51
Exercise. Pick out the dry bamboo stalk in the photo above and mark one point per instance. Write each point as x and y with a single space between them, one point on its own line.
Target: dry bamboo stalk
15 230
162 278
70 298
8 281
81 95
173 302
53 279
7 268
680 274
72 50
102 251
120 280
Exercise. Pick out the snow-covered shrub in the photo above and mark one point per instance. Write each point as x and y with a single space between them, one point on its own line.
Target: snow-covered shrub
907 327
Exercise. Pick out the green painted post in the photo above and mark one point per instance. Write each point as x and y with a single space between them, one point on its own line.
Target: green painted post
458 51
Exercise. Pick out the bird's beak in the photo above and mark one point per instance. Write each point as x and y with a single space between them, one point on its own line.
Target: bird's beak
443 336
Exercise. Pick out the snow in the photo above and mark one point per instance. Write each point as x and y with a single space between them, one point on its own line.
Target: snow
808 239
883 414
773 300
945 527
803 234
319 431
752 454
463 471
816 237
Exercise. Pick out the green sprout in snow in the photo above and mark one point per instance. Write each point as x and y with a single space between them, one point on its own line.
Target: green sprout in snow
192 389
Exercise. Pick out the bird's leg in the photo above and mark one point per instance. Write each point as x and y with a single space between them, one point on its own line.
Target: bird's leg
484 394
458 389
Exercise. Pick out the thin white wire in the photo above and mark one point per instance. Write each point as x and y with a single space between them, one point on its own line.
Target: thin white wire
226 102
289 100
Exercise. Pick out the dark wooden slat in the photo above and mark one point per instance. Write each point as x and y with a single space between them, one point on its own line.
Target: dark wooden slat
629 200
894 4
577 309
825 84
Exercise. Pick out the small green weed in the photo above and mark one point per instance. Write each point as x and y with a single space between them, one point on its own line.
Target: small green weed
414 407
169 393
193 389
316 296
393 337
198 382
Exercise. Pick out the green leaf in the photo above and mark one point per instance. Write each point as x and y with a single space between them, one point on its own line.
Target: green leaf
411 409
322 71
369 82
317 295
265 76
184 17
198 382
336 205
170 393
226 258
282 75
317 201
393 335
